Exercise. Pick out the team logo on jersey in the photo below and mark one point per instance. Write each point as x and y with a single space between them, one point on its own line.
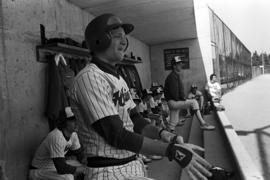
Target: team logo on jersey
121 97
66 149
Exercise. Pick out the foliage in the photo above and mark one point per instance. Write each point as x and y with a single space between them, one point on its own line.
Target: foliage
260 59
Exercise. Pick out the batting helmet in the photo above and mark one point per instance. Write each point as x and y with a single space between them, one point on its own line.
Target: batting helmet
97 34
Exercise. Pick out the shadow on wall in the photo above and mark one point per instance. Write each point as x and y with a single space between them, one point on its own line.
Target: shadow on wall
2 171
263 138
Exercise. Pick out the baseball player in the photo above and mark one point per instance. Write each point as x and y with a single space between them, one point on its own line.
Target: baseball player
49 162
194 93
110 129
174 94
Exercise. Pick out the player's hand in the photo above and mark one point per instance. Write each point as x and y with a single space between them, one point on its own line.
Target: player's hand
80 170
179 140
196 167
194 147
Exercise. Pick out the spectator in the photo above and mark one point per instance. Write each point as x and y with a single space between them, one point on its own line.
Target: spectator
174 94
49 161
214 93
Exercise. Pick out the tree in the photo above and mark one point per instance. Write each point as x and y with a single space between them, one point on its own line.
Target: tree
256 60
267 59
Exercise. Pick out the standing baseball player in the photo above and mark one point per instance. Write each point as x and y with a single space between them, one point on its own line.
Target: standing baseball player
174 94
49 162
110 129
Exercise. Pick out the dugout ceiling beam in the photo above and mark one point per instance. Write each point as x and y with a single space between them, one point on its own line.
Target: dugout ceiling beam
156 21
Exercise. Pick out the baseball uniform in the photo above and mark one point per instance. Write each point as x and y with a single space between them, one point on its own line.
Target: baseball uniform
54 145
99 93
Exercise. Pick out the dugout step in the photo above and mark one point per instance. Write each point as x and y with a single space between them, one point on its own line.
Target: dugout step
164 169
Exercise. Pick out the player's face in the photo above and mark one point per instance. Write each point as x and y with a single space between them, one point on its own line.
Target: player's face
71 126
178 67
214 79
116 50
193 91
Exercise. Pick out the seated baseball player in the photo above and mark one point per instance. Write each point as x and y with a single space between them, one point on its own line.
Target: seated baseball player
111 131
174 94
49 162
194 93
143 108
213 90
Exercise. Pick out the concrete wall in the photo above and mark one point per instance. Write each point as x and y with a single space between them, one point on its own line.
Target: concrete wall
23 79
200 52
142 50
201 13
196 72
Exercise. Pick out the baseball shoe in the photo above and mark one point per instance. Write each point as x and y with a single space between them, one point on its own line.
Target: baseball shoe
207 126
146 159
155 157
181 122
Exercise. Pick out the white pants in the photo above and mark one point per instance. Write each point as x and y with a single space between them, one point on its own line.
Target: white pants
51 173
133 170
176 106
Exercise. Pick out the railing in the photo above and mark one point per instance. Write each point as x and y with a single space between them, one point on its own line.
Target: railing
223 148
246 167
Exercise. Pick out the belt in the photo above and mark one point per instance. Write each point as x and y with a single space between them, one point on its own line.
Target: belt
32 167
105 161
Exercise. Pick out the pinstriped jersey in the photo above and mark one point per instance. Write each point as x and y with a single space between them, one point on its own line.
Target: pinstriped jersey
97 94
54 146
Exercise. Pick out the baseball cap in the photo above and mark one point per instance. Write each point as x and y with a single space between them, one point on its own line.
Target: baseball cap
194 86
177 59
146 92
66 115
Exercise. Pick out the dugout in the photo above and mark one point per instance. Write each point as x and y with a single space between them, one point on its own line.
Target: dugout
162 29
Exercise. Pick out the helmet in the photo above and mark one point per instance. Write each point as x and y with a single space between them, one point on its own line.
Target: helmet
97 34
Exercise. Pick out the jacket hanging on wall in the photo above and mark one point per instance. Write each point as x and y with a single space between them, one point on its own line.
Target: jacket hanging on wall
60 79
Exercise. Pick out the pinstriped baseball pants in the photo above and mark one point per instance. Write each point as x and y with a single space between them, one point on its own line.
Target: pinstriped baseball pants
51 174
133 170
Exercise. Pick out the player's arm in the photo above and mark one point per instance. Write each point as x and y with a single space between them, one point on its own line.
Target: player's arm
112 130
143 127
58 156
76 149
78 153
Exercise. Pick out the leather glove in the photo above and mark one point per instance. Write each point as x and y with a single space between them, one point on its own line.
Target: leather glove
178 153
